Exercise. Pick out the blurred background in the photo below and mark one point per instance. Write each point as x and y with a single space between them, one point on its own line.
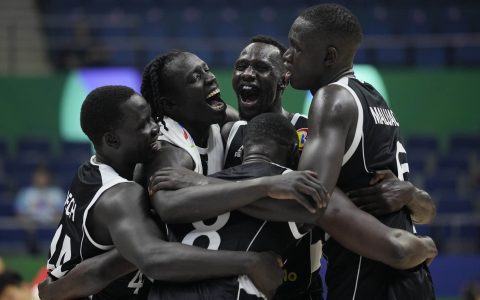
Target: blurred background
423 55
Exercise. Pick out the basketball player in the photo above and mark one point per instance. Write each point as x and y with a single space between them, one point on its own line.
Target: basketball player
259 79
270 139
352 132
105 209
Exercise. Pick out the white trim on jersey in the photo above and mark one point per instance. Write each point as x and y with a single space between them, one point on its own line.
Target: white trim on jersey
295 118
315 255
180 137
359 127
110 178
358 276
231 135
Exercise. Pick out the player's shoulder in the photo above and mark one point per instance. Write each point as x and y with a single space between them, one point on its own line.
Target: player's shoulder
119 193
334 100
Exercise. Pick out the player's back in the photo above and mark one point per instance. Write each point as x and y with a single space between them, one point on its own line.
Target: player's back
72 241
376 146
230 231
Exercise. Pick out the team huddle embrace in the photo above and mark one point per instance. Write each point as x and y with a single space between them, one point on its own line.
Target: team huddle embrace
187 198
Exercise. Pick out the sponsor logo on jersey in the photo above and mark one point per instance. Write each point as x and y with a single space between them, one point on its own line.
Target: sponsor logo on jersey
302 137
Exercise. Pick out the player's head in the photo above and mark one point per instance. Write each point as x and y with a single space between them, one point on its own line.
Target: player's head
118 121
180 85
259 77
13 287
273 136
323 41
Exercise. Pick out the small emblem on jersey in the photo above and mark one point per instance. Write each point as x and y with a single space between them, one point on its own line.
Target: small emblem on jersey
302 137
239 152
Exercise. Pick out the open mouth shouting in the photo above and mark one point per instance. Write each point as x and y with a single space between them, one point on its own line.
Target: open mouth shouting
214 101
249 95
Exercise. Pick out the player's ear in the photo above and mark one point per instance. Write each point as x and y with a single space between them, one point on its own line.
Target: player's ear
331 56
283 82
110 139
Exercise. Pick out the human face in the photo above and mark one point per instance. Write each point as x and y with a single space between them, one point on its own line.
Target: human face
195 93
258 79
305 58
137 132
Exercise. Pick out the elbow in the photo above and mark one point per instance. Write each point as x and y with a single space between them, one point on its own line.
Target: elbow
152 262
165 208
400 254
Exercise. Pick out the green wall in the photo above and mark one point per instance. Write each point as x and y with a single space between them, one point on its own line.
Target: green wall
435 102
29 106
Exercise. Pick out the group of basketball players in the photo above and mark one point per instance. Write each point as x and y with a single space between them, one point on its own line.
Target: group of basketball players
182 193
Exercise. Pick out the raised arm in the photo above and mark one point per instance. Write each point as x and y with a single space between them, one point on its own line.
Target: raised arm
353 229
331 117
196 203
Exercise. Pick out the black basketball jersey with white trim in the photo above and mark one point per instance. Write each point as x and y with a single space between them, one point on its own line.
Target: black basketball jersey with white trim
302 279
233 231
376 146
72 242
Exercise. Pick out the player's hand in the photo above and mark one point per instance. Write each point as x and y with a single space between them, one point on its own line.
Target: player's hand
174 179
266 272
302 186
432 250
43 289
386 195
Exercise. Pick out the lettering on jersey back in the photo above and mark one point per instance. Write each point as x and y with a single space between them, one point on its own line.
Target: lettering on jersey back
70 207
383 116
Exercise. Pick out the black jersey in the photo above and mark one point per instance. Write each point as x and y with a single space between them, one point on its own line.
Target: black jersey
302 278
231 231
376 145
72 242
234 143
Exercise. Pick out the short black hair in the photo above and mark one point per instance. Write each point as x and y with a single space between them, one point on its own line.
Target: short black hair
335 20
9 278
101 112
272 127
270 41
155 83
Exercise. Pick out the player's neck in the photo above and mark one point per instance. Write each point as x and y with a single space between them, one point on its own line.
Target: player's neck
199 134
123 169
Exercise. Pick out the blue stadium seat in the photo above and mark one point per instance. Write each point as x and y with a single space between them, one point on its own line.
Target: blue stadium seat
430 56
75 151
12 235
423 143
467 143
453 164
7 209
466 56
391 56
440 183
455 205
33 150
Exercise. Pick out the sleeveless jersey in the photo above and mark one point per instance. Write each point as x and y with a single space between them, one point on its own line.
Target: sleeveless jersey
72 242
234 144
302 278
233 231
376 145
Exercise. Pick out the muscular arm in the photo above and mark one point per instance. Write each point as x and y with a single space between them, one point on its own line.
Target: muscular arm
196 203
94 274
331 118
353 229
124 211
